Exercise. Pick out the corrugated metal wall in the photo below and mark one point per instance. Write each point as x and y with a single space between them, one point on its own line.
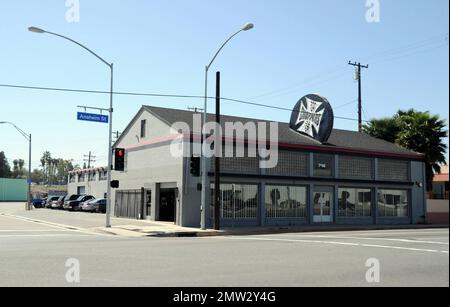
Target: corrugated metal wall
129 204
13 190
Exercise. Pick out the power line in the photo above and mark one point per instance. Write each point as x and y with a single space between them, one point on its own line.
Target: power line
153 95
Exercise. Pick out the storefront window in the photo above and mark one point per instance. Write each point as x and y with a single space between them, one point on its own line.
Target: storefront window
238 201
355 202
285 202
393 203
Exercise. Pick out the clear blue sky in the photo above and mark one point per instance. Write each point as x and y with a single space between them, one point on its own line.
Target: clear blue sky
161 46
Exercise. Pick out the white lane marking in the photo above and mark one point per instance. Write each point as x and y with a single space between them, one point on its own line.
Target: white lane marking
337 243
28 230
43 236
367 238
54 225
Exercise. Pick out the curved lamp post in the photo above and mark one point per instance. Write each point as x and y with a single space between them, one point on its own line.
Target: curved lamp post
111 67
28 138
246 27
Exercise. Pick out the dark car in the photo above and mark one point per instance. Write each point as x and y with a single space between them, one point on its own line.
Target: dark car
74 205
96 205
69 198
102 206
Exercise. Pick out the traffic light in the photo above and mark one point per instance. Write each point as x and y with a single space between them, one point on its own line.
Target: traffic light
195 166
119 159
115 184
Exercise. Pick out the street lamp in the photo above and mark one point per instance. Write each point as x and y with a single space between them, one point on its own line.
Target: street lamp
111 67
246 27
28 138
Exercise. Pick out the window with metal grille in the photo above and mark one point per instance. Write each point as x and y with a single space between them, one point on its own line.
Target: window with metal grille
231 163
237 201
323 165
286 202
355 168
81 178
290 163
355 202
393 170
92 176
393 203
103 176
72 178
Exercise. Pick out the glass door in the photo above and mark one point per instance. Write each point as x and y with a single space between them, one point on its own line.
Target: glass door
323 206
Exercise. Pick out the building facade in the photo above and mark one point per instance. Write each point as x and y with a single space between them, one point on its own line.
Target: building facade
88 182
351 179
437 203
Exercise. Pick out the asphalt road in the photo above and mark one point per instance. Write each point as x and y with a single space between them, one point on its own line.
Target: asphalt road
33 254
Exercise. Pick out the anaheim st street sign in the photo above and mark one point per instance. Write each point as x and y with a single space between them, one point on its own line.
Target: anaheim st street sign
89 117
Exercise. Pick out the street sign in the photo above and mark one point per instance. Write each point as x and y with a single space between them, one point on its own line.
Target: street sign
98 118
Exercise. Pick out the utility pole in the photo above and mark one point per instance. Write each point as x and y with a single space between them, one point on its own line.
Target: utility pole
218 153
117 135
358 77
89 158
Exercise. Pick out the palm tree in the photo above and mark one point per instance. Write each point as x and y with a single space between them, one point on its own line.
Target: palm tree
424 133
417 131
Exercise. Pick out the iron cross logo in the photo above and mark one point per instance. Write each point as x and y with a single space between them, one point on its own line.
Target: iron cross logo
313 117
310 117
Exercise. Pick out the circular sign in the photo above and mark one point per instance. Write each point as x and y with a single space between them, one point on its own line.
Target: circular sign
313 116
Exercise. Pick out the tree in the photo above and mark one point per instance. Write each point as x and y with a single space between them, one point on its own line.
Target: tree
424 133
5 169
417 131
386 128
15 172
37 176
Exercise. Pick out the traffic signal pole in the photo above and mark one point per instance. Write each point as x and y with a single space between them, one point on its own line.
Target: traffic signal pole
218 153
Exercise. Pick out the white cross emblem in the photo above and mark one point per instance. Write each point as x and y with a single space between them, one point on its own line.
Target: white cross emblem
309 118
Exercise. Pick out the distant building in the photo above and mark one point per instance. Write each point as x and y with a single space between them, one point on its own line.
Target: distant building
88 182
438 198
441 184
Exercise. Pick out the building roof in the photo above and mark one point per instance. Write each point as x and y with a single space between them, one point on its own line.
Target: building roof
340 140
443 176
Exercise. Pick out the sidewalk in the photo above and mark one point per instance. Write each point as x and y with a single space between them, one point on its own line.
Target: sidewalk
94 223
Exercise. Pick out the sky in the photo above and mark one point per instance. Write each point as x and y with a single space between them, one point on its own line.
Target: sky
297 47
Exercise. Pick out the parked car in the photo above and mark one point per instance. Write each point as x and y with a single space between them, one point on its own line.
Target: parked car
50 200
58 203
69 198
38 203
102 206
74 205
95 205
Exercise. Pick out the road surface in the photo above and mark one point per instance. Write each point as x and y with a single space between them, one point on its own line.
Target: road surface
34 254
